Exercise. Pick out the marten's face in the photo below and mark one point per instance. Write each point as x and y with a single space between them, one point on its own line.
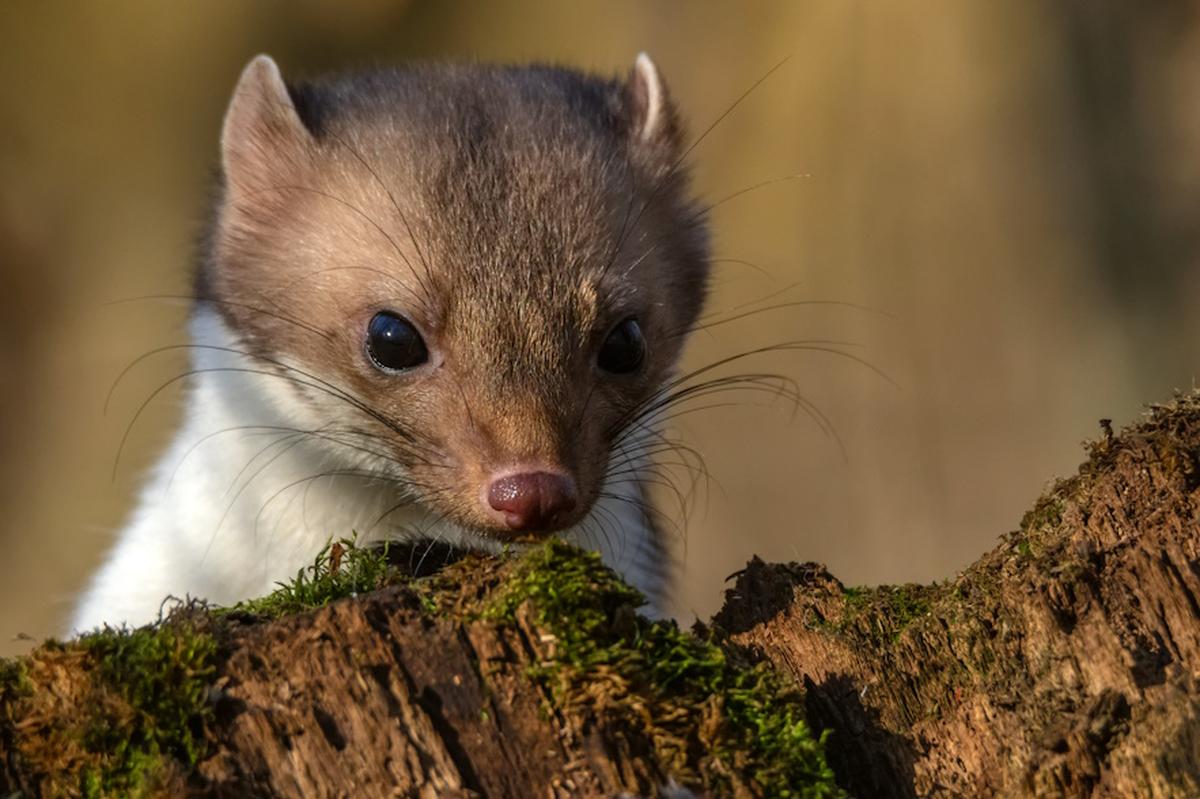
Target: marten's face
478 279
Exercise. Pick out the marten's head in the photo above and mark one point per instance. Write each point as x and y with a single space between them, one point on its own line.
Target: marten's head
472 280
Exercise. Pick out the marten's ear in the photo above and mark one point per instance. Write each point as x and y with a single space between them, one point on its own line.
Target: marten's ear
263 136
652 116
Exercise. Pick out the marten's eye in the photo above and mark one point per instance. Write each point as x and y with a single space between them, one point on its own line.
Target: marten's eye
393 343
622 352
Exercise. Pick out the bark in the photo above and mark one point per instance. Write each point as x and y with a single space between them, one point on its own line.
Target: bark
495 677
1064 662
371 699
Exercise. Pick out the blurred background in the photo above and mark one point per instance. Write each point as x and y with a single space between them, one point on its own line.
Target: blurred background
1013 187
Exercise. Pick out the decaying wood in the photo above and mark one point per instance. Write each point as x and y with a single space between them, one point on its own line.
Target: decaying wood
371 696
376 698
1064 662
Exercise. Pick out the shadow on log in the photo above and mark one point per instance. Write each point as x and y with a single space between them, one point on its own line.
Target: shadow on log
1064 662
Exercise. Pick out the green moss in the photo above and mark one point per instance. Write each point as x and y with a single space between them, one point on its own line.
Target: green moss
14 680
908 603
161 674
1046 512
139 774
1042 520
125 712
857 597
709 715
890 609
339 570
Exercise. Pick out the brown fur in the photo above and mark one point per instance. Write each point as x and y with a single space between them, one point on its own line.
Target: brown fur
514 215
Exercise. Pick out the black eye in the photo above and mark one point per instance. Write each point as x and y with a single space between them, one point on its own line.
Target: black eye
622 352
393 343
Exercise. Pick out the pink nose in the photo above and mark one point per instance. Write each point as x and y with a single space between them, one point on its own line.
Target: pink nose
533 501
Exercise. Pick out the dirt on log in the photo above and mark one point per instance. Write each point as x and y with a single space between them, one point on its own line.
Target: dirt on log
1065 662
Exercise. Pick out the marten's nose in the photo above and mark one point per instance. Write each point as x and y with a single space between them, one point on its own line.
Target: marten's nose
533 501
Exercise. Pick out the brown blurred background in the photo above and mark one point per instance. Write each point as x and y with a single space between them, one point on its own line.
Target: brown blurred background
1015 185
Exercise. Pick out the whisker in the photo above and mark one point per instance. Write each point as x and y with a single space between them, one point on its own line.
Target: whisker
288 287
267 429
433 542
606 519
429 493
731 108
357 473
760 185
311 381
779 307
392 198
672 171
230 303
288 443
646 465
363 215
741 262
291 443
774 385
815 345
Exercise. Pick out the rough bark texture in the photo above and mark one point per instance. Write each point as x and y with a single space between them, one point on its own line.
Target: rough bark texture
1064 662
370 698
522 677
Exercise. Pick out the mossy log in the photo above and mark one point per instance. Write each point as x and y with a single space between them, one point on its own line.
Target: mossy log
1064 662
523 676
